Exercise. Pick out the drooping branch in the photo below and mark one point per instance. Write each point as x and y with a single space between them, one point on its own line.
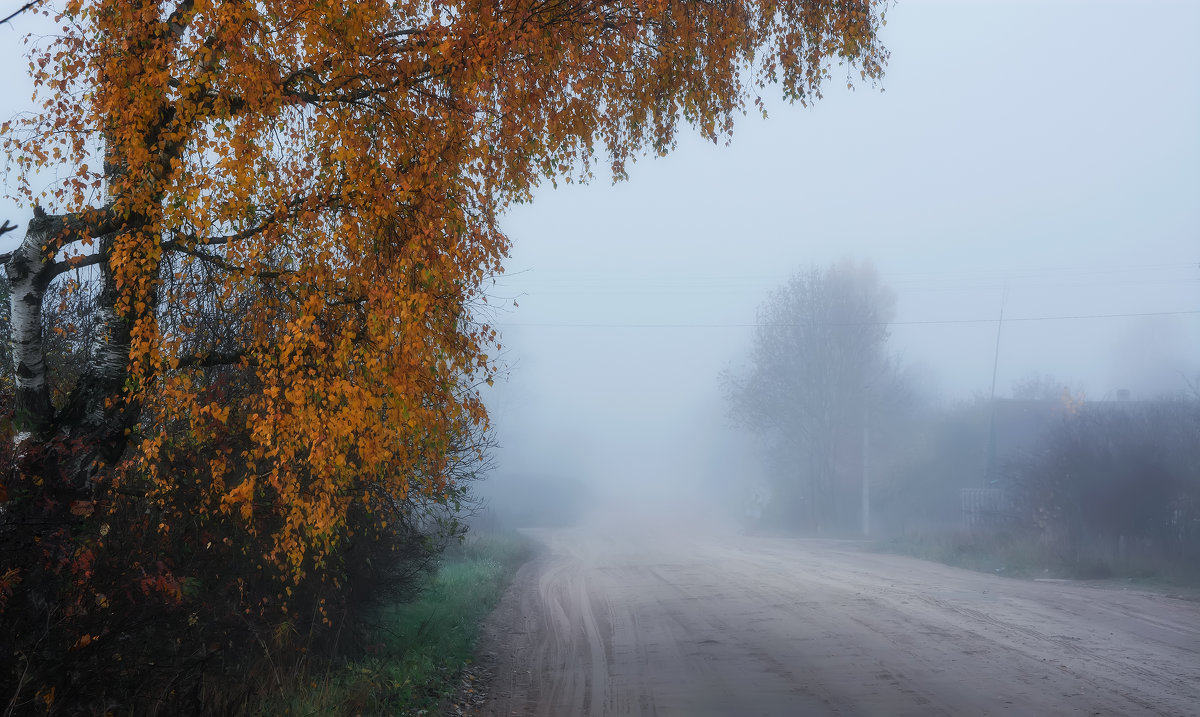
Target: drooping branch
322 94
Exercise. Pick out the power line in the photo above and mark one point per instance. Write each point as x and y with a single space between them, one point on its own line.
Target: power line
681 286
890 277
691 288
850 323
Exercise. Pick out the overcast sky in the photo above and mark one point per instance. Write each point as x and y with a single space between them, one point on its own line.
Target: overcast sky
1052 148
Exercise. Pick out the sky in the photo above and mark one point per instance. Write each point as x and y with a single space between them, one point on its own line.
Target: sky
1040 158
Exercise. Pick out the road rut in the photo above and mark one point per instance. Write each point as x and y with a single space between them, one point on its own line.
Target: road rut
629 623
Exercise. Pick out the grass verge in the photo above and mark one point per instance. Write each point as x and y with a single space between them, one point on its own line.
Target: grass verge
421 645
1017 555
997 554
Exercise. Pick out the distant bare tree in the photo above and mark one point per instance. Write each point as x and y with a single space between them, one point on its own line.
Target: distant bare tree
818 362
1039 387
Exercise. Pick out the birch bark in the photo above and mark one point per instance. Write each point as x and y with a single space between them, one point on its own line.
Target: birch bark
29 272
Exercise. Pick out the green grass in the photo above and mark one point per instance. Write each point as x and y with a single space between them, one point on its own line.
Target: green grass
1014 554
990 553
420 645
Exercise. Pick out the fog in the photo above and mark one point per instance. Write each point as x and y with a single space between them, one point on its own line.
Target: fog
732 496
1029 158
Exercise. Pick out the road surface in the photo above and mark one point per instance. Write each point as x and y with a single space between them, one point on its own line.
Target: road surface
629 623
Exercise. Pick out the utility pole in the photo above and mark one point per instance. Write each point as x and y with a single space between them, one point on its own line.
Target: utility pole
990 471
866 474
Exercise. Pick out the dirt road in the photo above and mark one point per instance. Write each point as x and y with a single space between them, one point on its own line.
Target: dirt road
626 623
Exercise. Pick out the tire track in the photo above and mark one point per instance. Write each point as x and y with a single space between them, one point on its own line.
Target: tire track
655 624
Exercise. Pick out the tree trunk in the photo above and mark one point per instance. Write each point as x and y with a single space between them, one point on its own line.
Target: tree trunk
90 410
29 273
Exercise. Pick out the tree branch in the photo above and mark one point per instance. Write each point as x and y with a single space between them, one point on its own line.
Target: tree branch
78 226
27 6
214 358
221 263
176 22
334 94
185 241
75 262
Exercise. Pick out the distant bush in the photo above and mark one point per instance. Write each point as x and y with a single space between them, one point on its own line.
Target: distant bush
1087 490
938 453
1116 487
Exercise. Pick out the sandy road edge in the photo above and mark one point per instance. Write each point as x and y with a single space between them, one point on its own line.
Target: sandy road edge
499 665
503 677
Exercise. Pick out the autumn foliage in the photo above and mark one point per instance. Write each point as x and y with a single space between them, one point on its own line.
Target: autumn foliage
283 214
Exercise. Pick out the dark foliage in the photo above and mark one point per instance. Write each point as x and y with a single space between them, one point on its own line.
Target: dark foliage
1116 481
116 599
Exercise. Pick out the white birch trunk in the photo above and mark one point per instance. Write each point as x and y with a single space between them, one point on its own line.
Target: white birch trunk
29 275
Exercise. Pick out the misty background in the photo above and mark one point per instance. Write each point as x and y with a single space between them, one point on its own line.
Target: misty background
1040 157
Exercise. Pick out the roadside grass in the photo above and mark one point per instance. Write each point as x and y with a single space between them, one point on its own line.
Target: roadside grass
419 647
1014 554
999 554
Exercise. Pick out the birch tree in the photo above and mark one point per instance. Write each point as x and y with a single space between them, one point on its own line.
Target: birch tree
329 176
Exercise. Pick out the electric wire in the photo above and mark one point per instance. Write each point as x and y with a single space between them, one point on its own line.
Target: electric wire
614 325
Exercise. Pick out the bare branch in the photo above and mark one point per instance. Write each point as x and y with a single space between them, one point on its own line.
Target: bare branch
27 6
76 262
401 33
213 358
183 241
322 91
221 263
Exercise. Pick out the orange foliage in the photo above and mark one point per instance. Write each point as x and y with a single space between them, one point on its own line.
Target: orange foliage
326 178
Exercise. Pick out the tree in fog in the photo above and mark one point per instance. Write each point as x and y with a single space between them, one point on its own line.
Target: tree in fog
817 366
1034 386
1115 482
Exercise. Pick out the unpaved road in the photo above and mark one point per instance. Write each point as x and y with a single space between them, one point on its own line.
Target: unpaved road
626 623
